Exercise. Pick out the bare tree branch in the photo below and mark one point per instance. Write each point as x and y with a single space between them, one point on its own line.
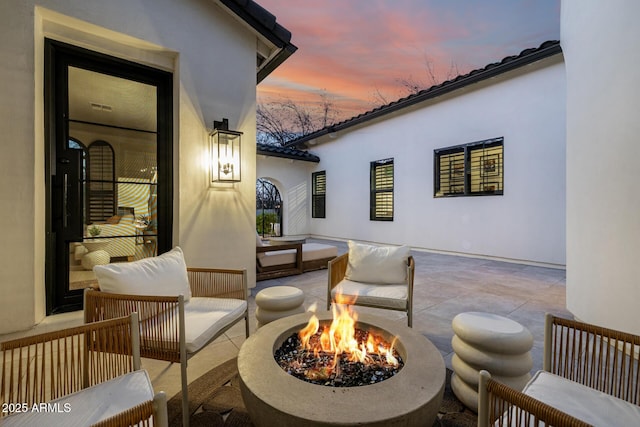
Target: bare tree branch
410 85
378 98
279 122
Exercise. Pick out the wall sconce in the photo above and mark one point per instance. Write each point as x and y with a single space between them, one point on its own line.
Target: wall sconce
225 153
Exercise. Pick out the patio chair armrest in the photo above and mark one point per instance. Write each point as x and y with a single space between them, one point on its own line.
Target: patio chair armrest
411 265
218 283
152 410
337 270
510 407
161 319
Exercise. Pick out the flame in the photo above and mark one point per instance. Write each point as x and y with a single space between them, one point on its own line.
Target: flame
340 338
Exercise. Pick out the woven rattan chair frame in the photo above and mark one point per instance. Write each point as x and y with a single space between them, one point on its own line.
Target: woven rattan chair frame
152 413
162 325
500 405
597 357
43 367
337 271
600 358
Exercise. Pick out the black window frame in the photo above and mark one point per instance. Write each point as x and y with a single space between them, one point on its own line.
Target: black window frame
319 194
378 188
473 169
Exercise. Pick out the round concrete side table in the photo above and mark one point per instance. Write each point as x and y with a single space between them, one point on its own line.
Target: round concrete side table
277 302
487 341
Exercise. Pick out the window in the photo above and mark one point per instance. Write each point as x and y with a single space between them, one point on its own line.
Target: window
381 202
101 190
319 192
474 169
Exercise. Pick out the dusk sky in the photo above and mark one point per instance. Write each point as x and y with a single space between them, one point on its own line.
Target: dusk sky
349 49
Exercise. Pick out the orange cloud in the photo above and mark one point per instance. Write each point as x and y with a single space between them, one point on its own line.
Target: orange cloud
351 49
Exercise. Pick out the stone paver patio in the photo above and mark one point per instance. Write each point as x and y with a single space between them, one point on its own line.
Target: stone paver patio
445 285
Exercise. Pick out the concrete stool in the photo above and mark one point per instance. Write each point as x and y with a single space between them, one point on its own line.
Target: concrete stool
487 341
277 302
91 259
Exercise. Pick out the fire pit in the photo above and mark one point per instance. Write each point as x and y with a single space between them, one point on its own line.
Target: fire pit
411 397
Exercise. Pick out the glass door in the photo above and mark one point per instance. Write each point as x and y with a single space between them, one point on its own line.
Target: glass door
116 129
109 167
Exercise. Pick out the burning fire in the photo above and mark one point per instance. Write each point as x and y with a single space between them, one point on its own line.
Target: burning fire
340 339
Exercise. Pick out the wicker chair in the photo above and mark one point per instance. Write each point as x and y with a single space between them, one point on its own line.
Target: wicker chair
68 366
337 271
596 357
163 322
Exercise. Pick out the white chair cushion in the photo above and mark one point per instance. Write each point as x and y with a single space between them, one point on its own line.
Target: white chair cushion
164 275
389 296
268 259
377 264
585 403
90 405
204 318
314 251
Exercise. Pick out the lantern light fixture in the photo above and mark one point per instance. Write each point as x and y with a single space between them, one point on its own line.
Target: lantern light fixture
225 153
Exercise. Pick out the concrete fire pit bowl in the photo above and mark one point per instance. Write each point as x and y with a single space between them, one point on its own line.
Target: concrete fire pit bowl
274 398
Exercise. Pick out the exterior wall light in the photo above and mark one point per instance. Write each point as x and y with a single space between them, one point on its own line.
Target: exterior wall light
225 153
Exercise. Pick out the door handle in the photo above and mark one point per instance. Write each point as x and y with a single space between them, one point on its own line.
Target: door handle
65 200
69 196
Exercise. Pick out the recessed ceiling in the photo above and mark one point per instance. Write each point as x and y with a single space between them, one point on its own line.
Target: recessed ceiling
114 101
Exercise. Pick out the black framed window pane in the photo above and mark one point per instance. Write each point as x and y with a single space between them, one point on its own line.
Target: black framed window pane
473 169
450 173
384 205
381 204
486 169
319 192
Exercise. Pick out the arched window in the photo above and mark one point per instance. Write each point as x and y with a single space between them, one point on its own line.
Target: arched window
268 209
76 144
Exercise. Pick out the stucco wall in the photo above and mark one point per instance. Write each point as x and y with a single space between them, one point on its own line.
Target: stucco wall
292 179
527 223
213 61
603 202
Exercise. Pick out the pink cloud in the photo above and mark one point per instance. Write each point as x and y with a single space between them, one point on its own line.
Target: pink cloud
352 48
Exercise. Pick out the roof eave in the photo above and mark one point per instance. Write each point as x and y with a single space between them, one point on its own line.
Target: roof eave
287 156
265 25
275 61
436 91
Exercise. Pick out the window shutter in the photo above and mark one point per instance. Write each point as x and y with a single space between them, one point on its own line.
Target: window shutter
319 192
101 192
381 204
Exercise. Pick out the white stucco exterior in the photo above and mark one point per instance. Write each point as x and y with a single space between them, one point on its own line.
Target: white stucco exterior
214 226
600 41
291 178
527 223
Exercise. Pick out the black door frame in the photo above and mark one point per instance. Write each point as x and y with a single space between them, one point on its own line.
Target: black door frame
58 56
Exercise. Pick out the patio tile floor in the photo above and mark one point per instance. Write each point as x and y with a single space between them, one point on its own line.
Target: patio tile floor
445 285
